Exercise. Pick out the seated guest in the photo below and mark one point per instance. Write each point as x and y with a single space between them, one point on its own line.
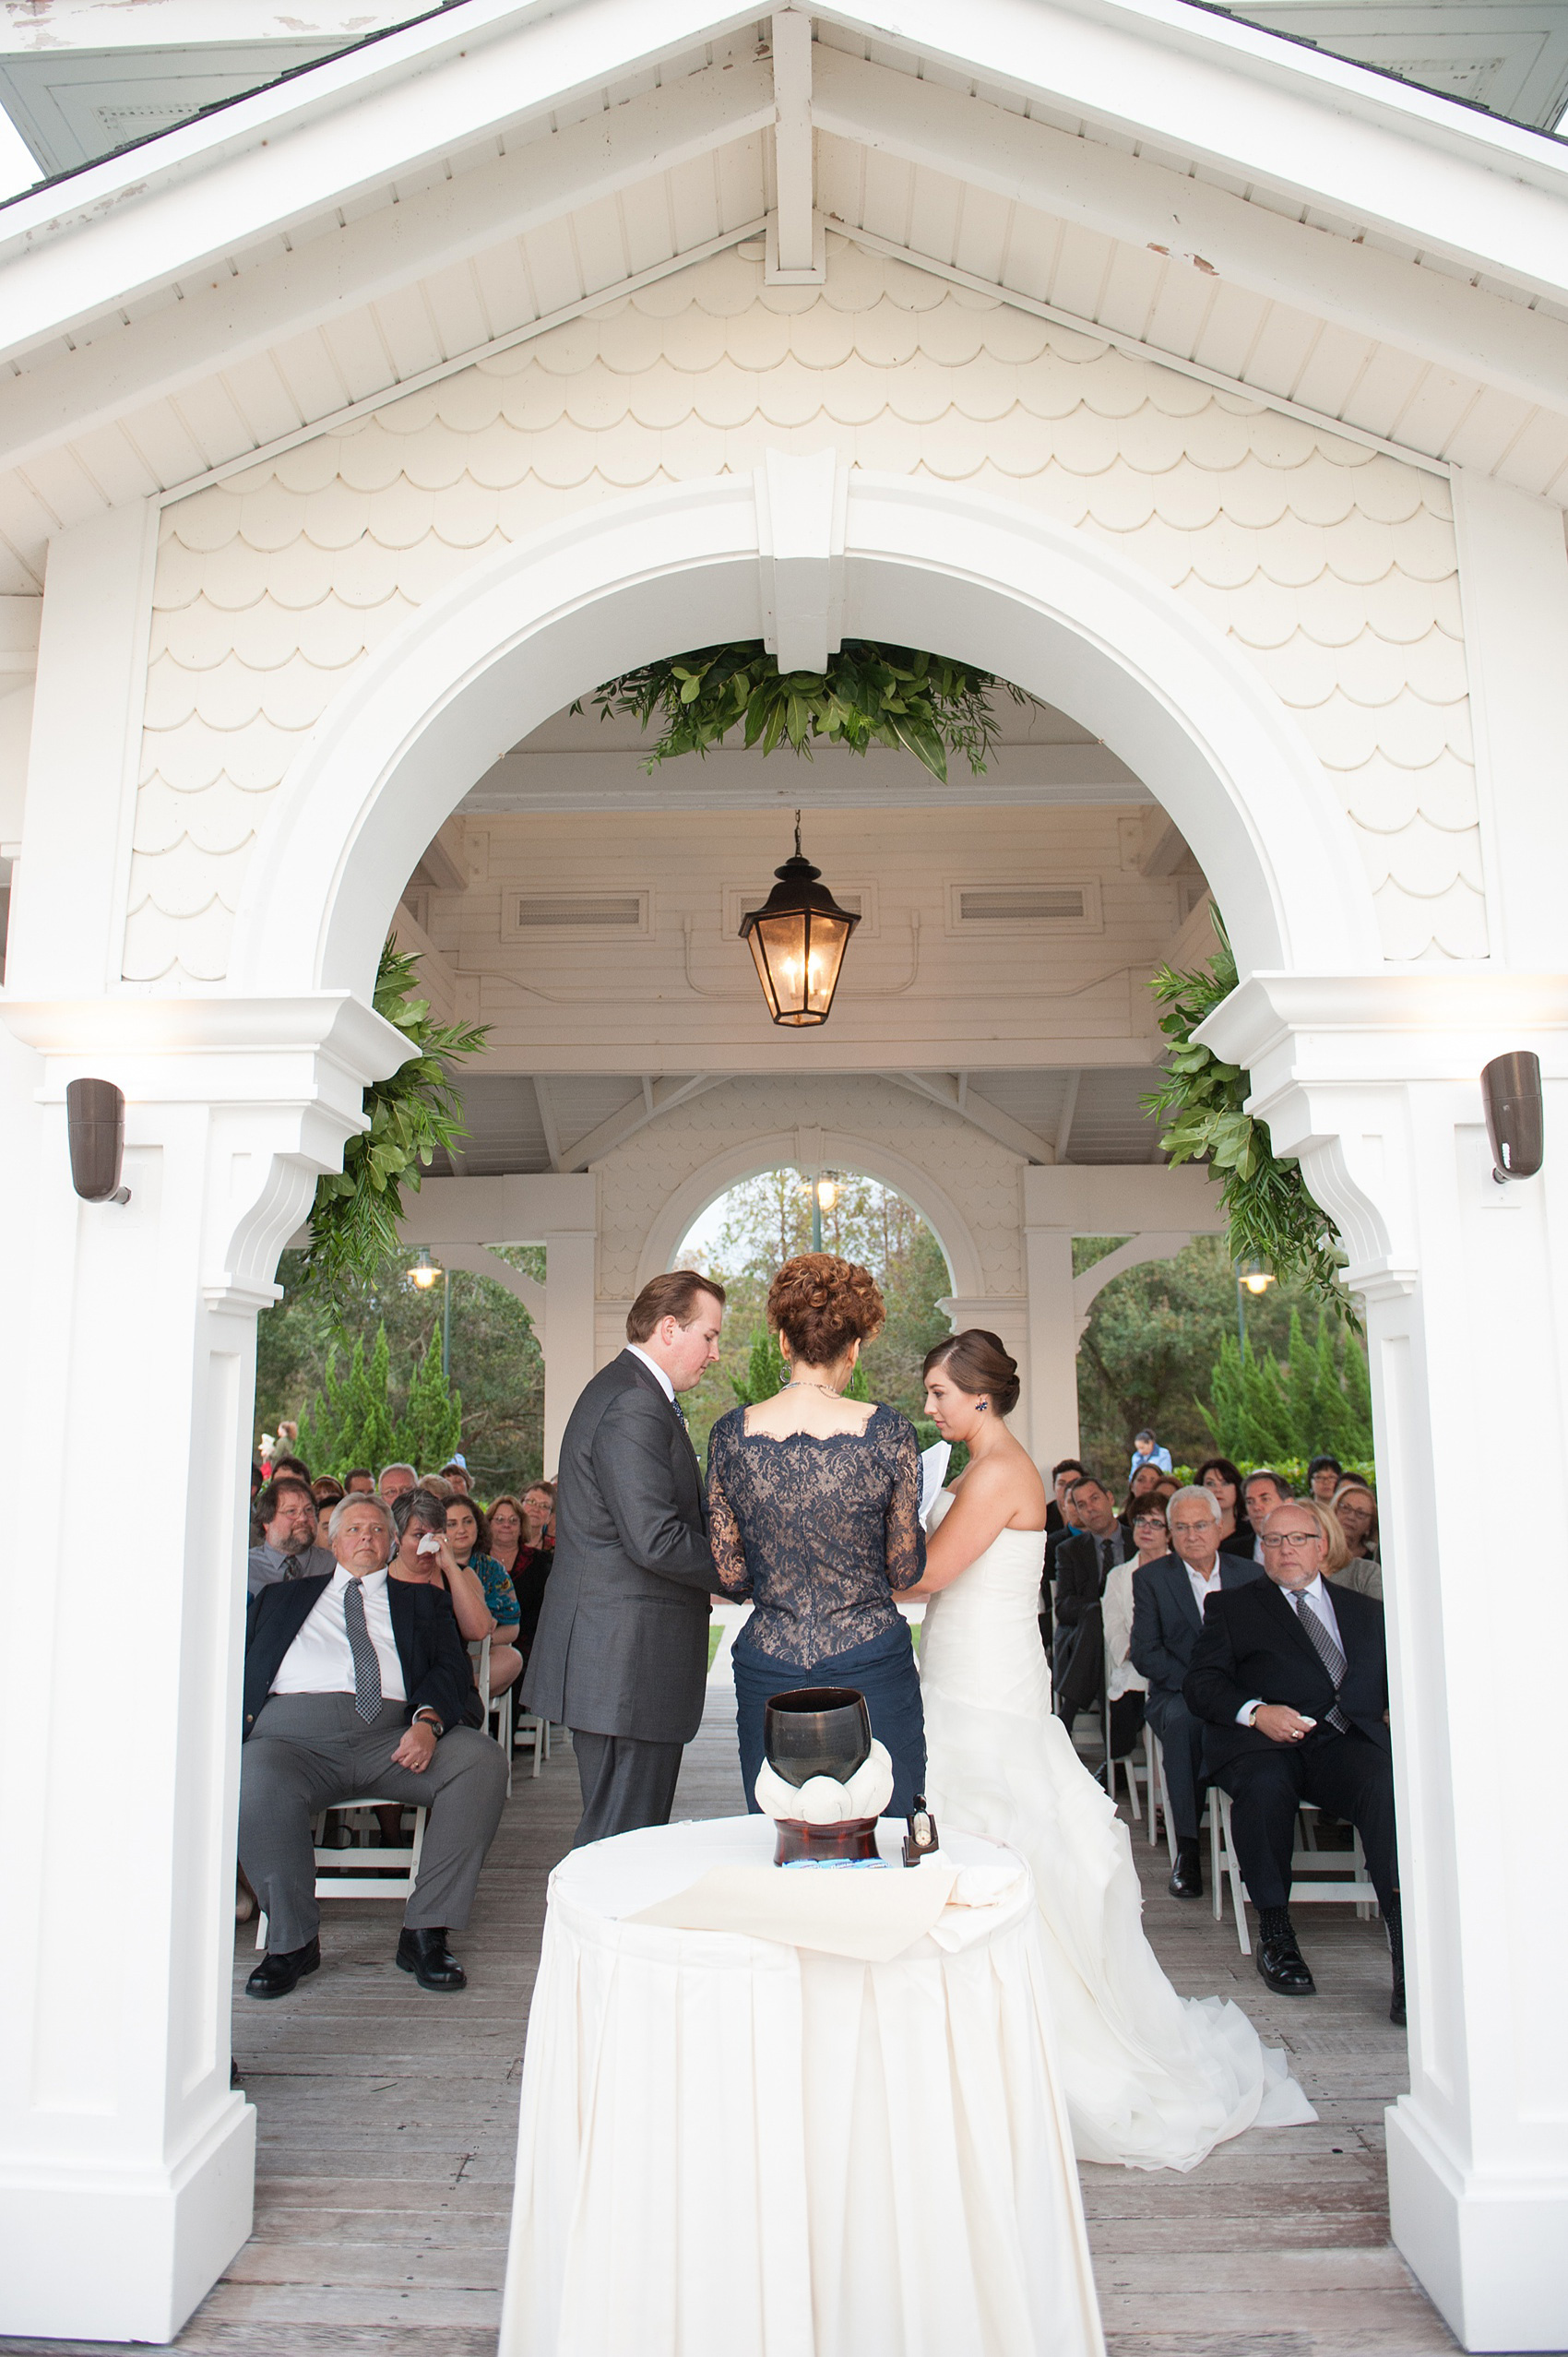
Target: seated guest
1147 1450
1062 1476
1237 1536
1169 1597
354 1686
1290 1678
396 1481
1082 1561
539 1514
1356 1505
1125 1686
1058 1527
468 1535
425 1559
1324 1477
1342 1564
284 1524
437 1485
527 1566
326 1491
457 1472
360 1482
1260 1492
294 1466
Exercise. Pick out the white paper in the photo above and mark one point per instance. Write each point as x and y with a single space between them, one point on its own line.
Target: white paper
935 1461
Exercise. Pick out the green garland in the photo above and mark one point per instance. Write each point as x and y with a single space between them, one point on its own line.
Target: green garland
869 695
353 1223
1272 1215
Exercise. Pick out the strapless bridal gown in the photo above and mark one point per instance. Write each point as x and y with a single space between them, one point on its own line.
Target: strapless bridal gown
1153 2080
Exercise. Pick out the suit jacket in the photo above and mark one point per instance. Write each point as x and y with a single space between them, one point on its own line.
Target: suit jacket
1167 1623
1254 1646
437 1673
1080 1583
621 1643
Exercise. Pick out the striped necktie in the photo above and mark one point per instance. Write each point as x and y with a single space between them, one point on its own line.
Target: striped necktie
1329 1653
367 1669
291 1567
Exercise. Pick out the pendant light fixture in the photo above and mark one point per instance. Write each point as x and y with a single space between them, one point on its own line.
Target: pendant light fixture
798 938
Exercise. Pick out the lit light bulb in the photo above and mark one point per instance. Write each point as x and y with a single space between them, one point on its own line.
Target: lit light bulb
425 1271
827 1193
1256 1278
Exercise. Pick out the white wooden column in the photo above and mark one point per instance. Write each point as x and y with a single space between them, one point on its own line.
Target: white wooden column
125 2157
1375 1083
570 1256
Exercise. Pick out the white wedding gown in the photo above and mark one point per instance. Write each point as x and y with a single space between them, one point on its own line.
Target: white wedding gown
1153 2080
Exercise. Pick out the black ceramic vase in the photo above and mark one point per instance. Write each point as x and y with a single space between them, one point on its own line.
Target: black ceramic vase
819 1730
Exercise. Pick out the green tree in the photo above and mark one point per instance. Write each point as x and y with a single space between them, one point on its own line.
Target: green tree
350 1423
1263 1410
432 1424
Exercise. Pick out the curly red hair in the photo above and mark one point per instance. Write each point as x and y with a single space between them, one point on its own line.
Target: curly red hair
820 1304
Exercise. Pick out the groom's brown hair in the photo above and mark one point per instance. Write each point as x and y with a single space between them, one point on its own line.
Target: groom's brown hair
674 1295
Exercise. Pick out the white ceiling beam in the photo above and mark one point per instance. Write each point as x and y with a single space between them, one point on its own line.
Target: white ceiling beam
959 1095
477 1260
793 166
1165 848
617 780
224 319
653 1098
445 860
238 179
547 1121
1313 129
1146 204
1065 1118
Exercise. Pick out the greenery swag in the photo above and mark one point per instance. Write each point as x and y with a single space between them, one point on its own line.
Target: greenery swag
869 695
353 1223
1272 1215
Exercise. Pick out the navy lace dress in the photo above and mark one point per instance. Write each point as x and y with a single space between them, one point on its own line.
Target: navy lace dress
820 1534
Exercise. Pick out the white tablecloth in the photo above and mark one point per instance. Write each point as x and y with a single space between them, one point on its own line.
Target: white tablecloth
731 2148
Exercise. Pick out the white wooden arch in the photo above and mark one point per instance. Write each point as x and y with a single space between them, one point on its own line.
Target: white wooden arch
913 561
780 1151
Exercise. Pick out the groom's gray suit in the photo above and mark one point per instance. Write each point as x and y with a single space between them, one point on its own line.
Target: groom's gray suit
621 1654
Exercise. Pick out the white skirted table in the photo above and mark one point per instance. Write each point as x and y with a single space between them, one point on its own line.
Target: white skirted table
735 2147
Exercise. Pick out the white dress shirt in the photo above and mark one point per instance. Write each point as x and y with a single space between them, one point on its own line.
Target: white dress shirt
320 1661
655 1370
1204 1588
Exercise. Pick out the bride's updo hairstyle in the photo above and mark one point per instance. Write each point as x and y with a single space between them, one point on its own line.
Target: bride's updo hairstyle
820 1304
977 1362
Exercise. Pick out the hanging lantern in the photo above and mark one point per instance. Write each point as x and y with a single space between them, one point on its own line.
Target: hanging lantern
798 938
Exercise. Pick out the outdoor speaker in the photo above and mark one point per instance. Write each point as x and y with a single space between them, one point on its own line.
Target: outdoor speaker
1512 1087
95 1115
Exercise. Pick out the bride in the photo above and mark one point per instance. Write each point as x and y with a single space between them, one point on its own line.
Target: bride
1153 2080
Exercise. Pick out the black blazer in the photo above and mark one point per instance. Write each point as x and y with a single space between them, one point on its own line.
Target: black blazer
437 1673
621 1643
1254 1646
1080 1581
1166 1621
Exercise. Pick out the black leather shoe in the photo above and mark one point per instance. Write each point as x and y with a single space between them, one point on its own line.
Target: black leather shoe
1187 1882
275 1975
426 1954
1284 1967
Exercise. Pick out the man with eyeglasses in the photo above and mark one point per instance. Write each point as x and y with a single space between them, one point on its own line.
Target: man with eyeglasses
1292 1680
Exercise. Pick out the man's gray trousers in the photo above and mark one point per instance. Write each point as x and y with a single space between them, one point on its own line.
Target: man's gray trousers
311 1751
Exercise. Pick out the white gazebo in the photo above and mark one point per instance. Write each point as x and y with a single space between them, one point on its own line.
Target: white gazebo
1211 387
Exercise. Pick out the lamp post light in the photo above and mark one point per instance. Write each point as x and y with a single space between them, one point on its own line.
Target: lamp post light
1253 1278
824 1195
797 940
423 1274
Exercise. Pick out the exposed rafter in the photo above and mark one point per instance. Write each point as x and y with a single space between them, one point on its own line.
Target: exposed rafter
547 1120
654 1097
1065 1118
794 256
958 1095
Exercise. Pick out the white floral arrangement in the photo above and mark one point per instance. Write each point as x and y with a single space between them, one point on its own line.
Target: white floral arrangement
821 1799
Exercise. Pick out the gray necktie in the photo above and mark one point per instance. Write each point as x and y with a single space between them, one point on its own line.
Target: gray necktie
367 1669
1328 1652
291 1567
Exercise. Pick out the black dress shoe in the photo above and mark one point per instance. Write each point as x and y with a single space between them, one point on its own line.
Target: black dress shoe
277 1974
1187 1881
1284 1967
426 1954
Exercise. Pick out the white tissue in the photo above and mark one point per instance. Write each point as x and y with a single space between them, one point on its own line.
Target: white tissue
821 1799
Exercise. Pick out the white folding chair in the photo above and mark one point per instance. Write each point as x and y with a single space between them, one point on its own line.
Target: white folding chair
1157 1782
500 1707
1317 1876
337 1871
529 1728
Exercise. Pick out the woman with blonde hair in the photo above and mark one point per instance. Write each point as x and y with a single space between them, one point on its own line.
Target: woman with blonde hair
813 1502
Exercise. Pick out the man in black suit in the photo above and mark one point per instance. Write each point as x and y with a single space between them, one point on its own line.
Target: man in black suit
621 1651
1057 1529
357 1684
1292 1680
1170 1596
1083 1564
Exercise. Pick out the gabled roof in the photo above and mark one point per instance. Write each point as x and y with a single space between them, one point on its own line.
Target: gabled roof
1251 210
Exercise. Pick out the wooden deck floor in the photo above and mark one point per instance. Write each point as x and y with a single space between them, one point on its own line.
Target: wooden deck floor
388 2124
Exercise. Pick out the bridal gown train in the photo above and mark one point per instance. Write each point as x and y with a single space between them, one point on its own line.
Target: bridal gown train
1153 2080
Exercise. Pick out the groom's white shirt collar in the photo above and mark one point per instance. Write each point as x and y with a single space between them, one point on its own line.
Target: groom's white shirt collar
655 1370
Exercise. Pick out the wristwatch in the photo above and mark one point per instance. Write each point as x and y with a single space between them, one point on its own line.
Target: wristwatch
429 1717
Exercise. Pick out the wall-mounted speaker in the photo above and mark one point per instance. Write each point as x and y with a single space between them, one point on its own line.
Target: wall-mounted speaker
95 1115
1510 1085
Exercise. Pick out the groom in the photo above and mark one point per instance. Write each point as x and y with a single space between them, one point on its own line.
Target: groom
621 1653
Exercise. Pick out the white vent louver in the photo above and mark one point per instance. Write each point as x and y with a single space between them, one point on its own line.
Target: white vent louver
579 912
1022 904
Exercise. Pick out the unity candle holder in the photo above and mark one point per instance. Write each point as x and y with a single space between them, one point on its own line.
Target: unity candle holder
814 1735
